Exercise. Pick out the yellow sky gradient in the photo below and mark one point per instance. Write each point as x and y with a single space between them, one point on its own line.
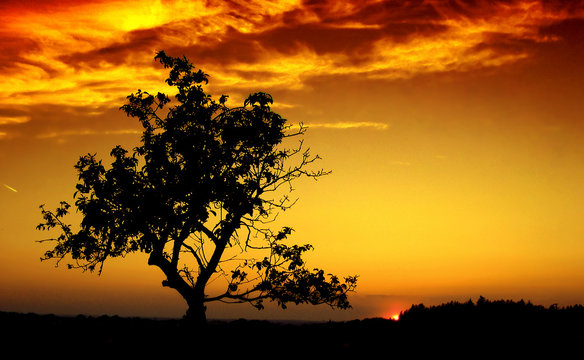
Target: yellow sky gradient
453 129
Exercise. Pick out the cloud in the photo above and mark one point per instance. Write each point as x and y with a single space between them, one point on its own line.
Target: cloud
92 55
14 119
381 39
49 121
137 42
570 30
573 7
350 125
10 188
14 51
86 132
401 163
387 12
354 31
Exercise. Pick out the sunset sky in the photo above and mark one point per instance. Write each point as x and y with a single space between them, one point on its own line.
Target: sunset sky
453 129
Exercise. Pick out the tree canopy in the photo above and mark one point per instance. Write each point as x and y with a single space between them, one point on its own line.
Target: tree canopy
206 183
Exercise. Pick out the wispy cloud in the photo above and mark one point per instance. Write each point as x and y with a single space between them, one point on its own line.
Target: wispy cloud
350 125
86 132
401 163
10 188
13 119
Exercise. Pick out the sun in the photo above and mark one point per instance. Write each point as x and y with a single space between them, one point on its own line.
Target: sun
393 313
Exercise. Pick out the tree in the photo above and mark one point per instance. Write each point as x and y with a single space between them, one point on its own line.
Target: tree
202 188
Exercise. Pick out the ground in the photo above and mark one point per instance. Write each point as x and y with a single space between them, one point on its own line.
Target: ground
490 329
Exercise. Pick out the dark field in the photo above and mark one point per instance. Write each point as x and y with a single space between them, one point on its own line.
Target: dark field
485 329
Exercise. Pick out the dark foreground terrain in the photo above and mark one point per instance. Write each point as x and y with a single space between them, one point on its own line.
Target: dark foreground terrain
483 329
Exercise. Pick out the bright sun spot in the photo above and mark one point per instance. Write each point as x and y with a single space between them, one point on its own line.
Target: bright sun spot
394 317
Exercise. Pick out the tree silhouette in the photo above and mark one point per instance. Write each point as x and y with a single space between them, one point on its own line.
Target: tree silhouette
198 196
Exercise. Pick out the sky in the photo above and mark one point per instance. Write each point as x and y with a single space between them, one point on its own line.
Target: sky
453 130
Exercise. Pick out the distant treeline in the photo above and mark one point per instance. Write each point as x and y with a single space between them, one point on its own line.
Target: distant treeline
501 320
484 327
485 312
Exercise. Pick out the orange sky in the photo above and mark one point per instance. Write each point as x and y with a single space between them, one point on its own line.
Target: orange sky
453 129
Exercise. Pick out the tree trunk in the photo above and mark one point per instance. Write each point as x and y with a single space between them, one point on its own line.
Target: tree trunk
196 313
195 316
